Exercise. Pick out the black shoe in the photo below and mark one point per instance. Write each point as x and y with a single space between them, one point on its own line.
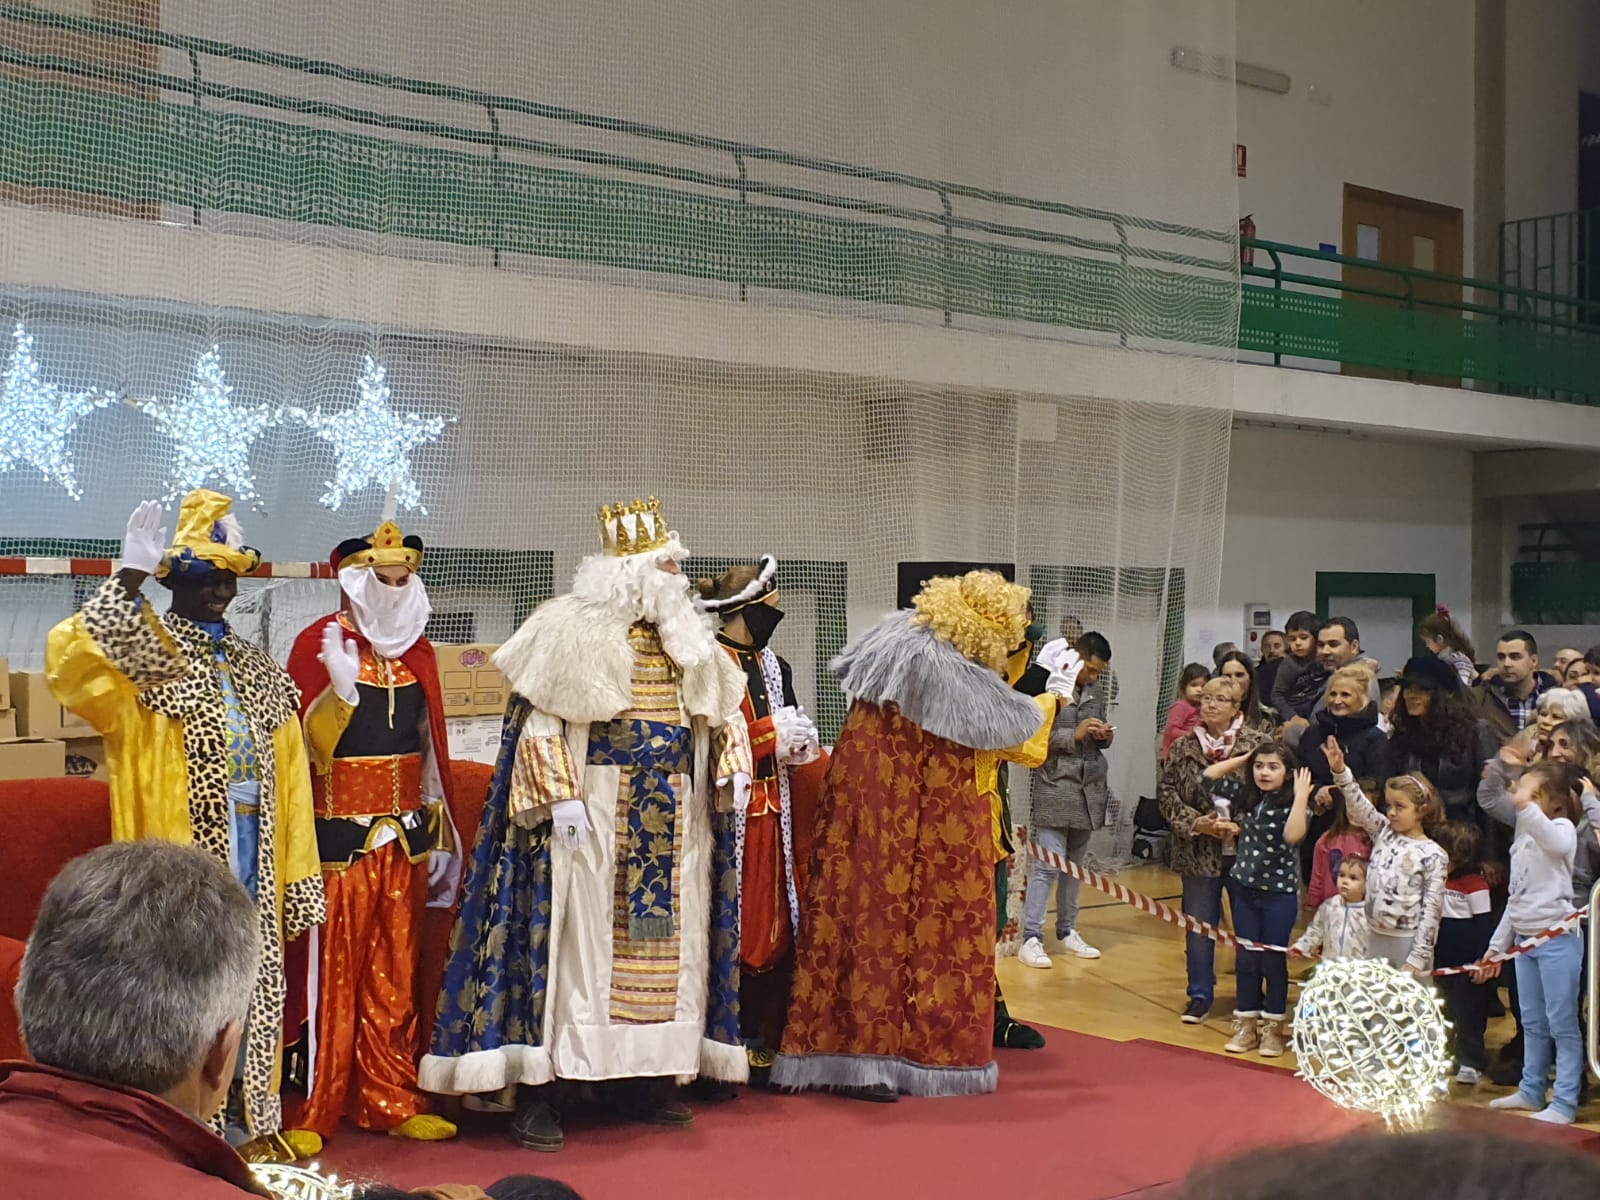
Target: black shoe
878 1093
654 1102
1014 1035
1197 1012
537 1126
713 1091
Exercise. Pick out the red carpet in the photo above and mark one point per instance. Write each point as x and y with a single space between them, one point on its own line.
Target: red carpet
1083 1119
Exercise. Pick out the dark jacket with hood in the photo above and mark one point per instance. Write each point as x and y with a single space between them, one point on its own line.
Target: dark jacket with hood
1365 745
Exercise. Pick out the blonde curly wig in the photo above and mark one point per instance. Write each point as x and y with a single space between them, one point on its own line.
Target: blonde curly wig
978 613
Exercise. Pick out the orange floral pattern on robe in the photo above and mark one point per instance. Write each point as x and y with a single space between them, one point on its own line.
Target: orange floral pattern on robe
896 947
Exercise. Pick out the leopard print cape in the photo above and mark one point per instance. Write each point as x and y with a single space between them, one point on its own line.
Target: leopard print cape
178 679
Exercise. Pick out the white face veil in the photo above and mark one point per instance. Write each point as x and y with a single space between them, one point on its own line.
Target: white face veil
391 618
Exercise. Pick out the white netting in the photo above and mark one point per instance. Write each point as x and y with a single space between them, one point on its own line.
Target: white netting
853 283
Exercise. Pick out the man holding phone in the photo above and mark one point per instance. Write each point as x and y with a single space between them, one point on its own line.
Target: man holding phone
1071 797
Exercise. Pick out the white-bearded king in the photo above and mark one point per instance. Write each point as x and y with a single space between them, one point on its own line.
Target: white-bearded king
380 773
597 939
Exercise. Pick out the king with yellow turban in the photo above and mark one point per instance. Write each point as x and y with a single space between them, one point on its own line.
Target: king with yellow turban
203 746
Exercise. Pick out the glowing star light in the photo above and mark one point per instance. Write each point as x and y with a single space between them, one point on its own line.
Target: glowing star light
373 442
211 433
1374 1039
37 419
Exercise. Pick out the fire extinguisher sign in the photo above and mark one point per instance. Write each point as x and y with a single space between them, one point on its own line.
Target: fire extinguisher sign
1239 159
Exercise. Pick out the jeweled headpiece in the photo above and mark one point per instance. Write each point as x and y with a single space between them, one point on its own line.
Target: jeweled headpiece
386 546
636 528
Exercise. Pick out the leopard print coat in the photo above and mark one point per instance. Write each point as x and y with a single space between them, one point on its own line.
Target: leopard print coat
173 664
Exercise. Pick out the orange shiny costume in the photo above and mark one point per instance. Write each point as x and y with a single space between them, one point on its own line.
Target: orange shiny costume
367 1028
374 766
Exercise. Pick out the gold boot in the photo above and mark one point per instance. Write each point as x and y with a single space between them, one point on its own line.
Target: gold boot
424 1127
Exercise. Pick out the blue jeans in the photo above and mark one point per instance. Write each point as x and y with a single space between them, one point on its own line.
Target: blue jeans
1263 917
1547 983
1070 844
1202 899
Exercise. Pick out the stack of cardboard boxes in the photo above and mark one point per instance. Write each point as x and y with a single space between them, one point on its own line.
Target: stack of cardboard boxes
38 738
41 740
475 698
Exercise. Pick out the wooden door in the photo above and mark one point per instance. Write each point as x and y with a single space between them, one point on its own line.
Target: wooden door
1401 231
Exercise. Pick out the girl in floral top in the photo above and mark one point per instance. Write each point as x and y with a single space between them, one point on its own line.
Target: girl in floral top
1264 889
1405 883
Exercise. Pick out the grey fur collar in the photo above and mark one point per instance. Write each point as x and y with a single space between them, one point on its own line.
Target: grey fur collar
934 686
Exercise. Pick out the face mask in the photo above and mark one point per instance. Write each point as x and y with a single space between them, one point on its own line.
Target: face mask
761 620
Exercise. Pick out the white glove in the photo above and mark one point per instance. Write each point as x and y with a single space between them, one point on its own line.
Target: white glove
146 539
741 791
441 878
798 740
572 823
343 659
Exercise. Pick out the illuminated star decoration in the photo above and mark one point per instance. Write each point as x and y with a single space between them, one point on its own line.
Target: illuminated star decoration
211 433
373 442
37 419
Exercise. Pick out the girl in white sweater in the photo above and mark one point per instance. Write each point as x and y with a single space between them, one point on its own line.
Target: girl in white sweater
1540 898
1405 880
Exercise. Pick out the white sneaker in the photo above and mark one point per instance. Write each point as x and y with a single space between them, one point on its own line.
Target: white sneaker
1032 955
1468 1076
1073 943
1515 1102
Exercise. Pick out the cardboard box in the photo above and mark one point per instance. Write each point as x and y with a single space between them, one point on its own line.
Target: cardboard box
32 758
8 723
5 683
38 714
471 683
474 739
86 758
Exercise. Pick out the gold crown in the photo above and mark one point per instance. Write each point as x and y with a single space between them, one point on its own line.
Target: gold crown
636 528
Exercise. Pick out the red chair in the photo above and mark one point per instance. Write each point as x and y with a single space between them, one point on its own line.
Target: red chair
48 822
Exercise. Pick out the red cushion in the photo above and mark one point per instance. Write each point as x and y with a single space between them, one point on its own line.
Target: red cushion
470 789
10 972
47 823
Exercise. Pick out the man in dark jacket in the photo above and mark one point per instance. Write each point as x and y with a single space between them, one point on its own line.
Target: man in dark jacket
1510 697
1070 800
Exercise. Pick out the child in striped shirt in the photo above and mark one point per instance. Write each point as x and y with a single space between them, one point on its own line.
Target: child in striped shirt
1465 927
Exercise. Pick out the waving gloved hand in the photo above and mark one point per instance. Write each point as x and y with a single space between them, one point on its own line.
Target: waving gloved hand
146 539
343 659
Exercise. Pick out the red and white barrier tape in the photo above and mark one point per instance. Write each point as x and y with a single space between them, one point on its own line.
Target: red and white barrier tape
1177 917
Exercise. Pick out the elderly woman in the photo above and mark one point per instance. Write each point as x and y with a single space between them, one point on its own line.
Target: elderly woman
1198 809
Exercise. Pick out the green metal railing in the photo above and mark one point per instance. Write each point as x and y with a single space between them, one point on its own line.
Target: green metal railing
1558 255
704 207
1417 323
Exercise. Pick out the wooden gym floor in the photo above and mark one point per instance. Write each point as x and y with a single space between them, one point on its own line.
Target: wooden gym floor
1136 988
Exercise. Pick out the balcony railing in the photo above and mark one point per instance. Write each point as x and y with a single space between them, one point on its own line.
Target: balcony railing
511 177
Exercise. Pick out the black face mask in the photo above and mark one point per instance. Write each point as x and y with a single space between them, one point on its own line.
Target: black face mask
761 620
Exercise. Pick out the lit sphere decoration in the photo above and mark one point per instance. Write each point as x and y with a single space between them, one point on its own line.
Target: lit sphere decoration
1374 1039
300 1183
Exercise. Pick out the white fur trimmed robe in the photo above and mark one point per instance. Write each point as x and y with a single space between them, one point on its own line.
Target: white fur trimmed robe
619 959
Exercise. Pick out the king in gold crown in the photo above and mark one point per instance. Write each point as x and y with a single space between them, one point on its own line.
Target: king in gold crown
635 528
386 546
